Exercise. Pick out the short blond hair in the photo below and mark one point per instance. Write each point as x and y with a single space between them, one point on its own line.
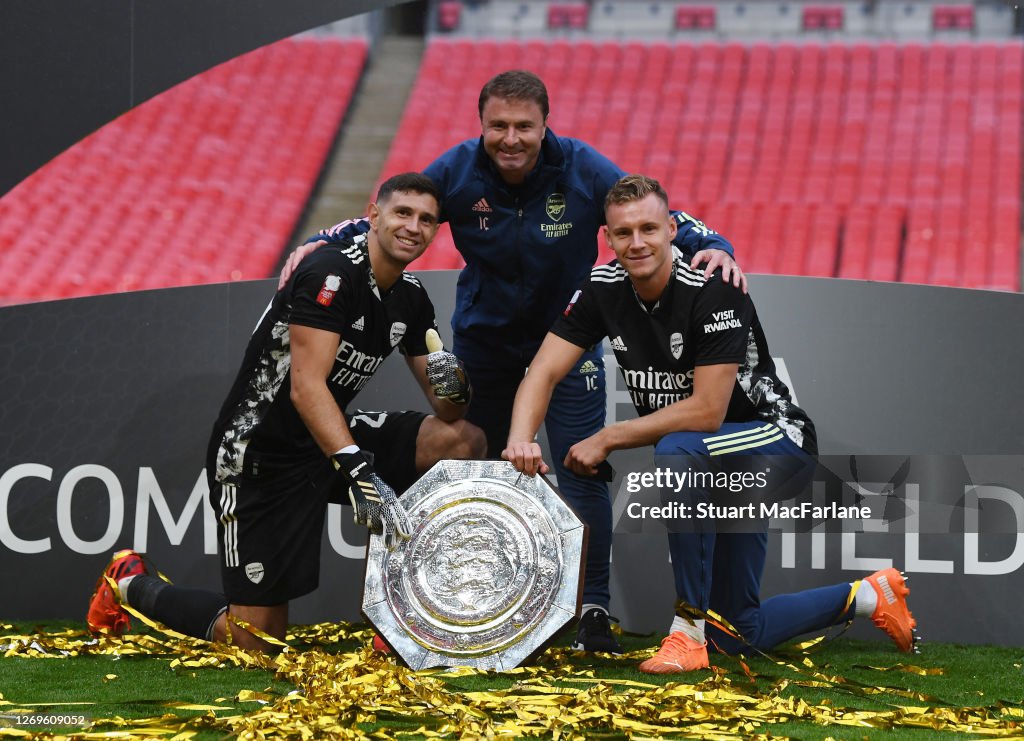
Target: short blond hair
631 188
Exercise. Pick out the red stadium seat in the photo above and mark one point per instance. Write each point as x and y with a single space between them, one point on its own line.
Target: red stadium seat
957 17
768 241
885 241
792 254
449 15
695 17
824 243
975 254
568 15
578 15
855 256
822 17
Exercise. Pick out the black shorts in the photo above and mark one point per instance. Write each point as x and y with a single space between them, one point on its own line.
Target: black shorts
270 525
391 437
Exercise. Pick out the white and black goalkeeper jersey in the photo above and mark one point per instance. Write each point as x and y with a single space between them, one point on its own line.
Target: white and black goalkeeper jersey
332 289
696 322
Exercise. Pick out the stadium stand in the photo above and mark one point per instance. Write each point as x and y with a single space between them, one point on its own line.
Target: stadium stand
778 20
863 158
874 160
204 183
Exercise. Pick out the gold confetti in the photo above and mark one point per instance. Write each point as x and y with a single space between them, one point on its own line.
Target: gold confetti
556 697
909 668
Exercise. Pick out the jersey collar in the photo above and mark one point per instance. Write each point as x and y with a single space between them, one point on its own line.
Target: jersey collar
663 299
362 243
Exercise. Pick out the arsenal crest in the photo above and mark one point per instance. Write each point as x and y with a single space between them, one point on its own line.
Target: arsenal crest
397 332
675 344
254 571
555 206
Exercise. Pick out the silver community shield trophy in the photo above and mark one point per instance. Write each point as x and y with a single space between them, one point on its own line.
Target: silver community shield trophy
492 570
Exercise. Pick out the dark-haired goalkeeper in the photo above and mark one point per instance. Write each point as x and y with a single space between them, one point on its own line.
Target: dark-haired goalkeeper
283 446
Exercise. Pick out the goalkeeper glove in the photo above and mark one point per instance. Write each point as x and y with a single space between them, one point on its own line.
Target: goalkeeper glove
374 503
446 373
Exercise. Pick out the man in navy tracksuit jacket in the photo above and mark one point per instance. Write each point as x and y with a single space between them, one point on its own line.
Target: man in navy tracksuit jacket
524 207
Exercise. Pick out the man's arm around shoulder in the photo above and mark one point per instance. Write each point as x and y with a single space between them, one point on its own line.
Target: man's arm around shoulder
344 231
